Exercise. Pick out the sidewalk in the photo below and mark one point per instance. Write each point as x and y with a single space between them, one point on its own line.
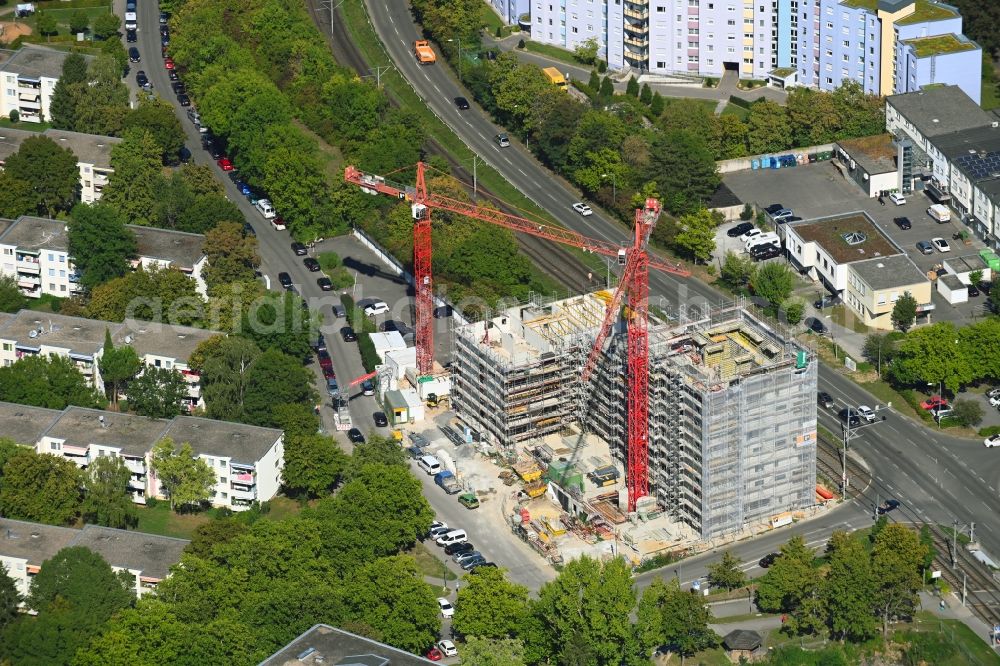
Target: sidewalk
727 85
954 610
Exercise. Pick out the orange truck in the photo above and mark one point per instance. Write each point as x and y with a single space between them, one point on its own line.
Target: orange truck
424 53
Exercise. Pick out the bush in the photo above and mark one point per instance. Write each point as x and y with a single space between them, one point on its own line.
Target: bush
747 212
14 115
499 32
520 43
602 66
657 561
369 357
328 260
989 431
341 277
968 412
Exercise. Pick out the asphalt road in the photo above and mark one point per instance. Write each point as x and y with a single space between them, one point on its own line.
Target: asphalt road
944 477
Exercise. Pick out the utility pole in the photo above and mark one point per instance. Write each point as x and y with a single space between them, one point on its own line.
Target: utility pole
328 4
378 75
475 178
850 433
954 541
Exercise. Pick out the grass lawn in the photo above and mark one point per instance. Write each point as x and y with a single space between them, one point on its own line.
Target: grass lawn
47 303
552 52
429 564
333 159
491 20
991 91
281 508
28 127
971 648
161 520
713 657
738 111
64 15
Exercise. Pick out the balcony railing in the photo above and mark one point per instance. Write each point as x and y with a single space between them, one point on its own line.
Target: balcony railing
641 14
641 42
242 494
637 28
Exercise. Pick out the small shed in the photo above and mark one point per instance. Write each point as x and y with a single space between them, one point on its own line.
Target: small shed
414 405
953 289
742 644
396 409
963 267
400 360
387 342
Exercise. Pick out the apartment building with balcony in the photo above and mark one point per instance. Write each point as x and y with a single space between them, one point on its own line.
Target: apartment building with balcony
82 340
165 248
27 79
888 46
247 460
92 151
35 252
25 547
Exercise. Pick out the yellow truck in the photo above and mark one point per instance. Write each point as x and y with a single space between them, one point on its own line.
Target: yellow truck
555 77
424 53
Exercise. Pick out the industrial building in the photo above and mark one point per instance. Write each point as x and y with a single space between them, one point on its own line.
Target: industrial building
732 406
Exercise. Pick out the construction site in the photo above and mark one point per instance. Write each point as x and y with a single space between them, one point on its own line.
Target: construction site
732 422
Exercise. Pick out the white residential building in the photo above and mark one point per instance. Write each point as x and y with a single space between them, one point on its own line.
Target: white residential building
92 151
27 78
165 248
25 547
247 460
160 345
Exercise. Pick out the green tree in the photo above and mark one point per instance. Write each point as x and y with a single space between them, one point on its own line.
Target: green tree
657 105
850 589
897 556
17 197
968 413
158 393
106 499
48 381
225 368
684 169
275 379
791 576
51 170
155 294
696 238
106 26
40 487
390 596
904 312
646 95
490 606
47 24
74 69
10 599
812 116
79 21
586 51
768 129
726 573
607 89
278 321
772 282
157 117
105 101
933 354
132 188
737 271
794 311
588 604
69 89
184 478
313 464
232 255
860 114
379 450
100 243
878 348
669 615
118 366
11 298
730 140
632 89
492 652
976 278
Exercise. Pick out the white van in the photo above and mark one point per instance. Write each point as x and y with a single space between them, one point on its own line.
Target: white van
429 464
131 22
454 536
266 209
940 213
769 238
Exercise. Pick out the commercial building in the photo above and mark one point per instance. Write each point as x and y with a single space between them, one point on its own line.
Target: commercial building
853 259
870 162
329 646
950 148
25 547
247 459
732 405
27 79
160 345
93 154
35 251
887 46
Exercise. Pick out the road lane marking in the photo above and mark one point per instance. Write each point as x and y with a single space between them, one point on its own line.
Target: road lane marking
522 172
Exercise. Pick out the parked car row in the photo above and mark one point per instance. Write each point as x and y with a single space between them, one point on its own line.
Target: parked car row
455 543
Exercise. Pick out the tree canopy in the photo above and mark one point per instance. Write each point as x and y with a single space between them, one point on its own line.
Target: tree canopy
47 381
40 487
100 243
44 174
183 477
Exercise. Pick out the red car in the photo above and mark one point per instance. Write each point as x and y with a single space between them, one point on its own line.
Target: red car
434 654
169 63
225 164
934 402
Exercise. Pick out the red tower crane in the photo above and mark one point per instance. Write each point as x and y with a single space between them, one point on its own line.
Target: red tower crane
634 283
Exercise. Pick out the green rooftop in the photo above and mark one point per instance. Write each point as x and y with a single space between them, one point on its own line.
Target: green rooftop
870 5
783 71
925 47
928 11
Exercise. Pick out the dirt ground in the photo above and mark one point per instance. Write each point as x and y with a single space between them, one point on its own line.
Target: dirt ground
9 31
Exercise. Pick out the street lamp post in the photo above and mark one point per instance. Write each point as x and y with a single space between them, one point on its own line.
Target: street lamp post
459 40
614 187
850 433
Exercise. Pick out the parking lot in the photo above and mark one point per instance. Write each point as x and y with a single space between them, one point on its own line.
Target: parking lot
818 190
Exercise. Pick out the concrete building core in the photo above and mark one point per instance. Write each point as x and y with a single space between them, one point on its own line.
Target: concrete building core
732 405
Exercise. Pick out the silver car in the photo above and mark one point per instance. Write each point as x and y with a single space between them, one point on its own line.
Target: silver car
464 557
925 247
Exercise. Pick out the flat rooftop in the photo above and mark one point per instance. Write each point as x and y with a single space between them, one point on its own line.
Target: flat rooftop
133 435
889 272
11 140
846 238
239 442
33 542
150 554
928 11
25 424
34 234
940 110
182 250
35 62
89 148
323 644
77 334
875 154
166 340
925 47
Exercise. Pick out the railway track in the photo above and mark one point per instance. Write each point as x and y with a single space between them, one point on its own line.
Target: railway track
982 590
